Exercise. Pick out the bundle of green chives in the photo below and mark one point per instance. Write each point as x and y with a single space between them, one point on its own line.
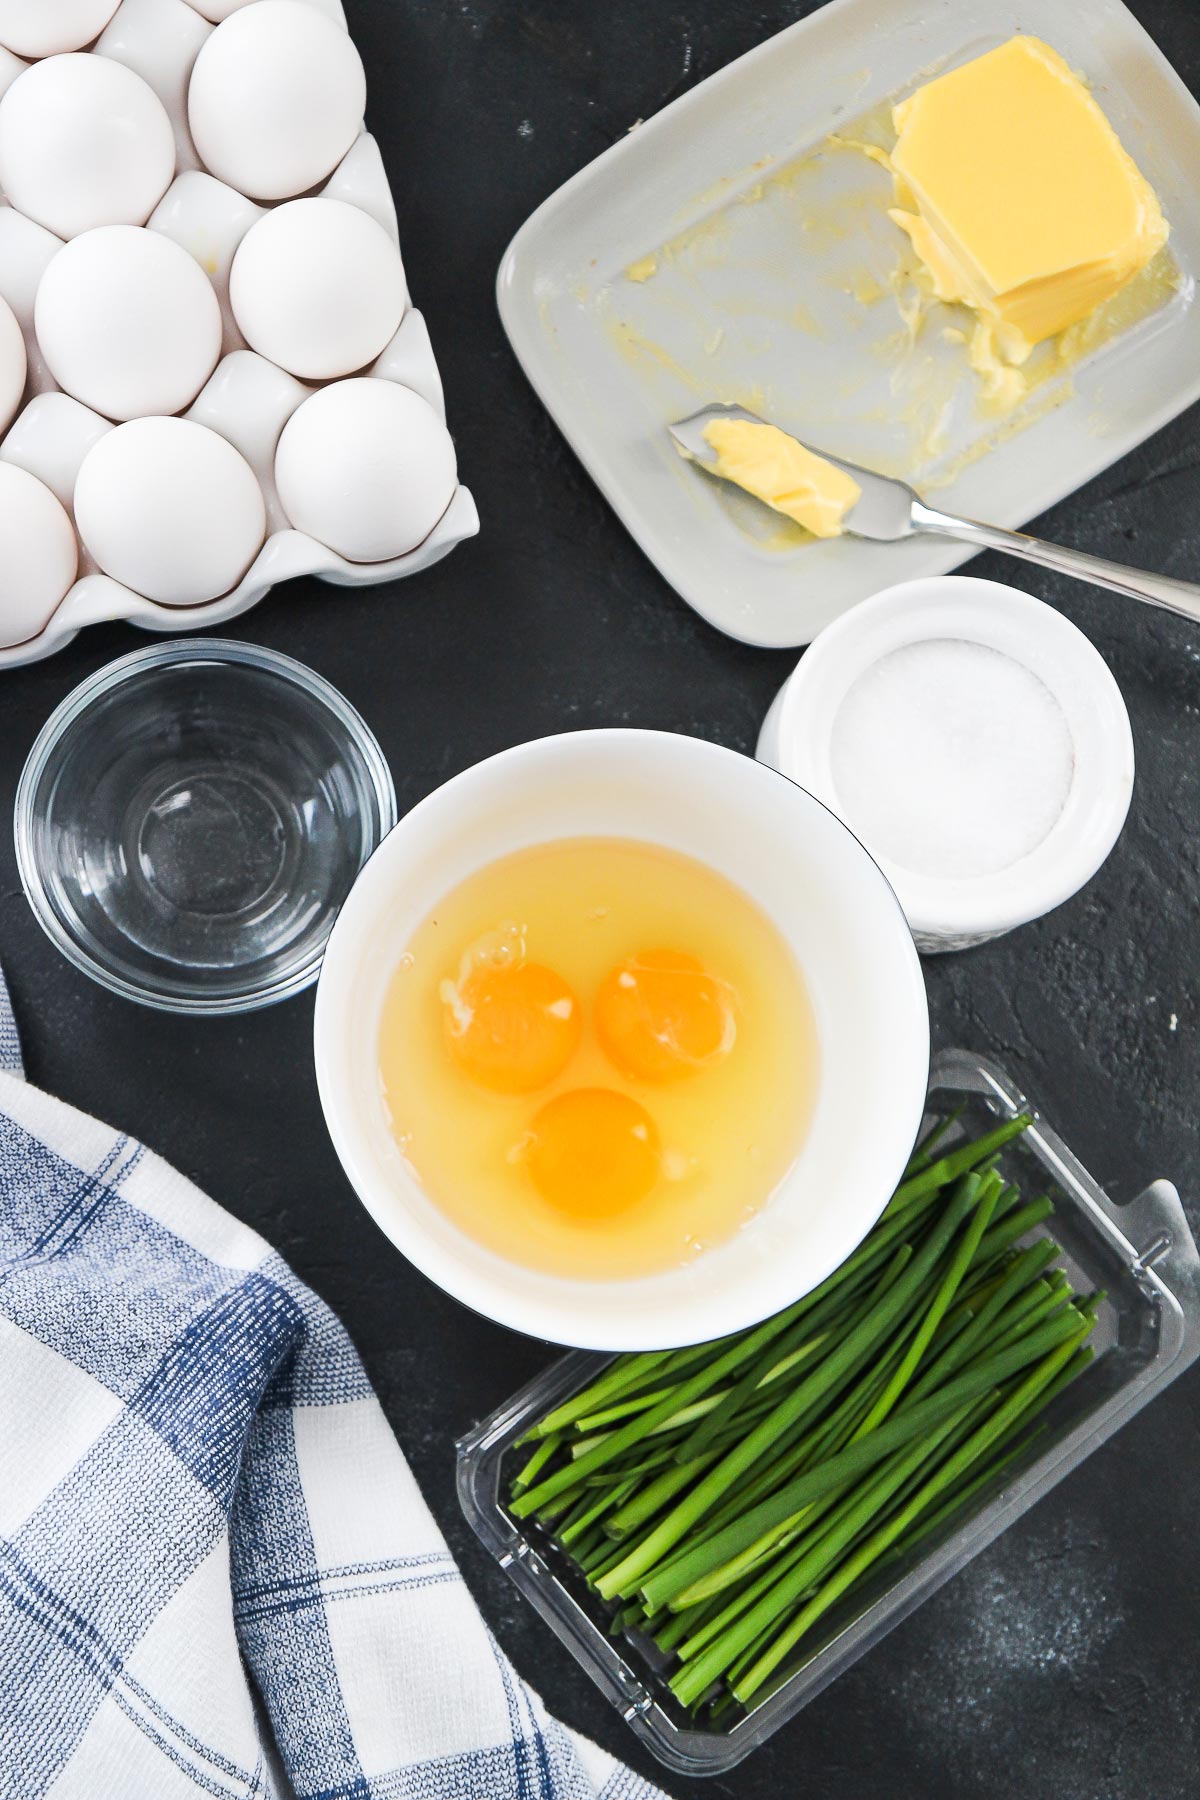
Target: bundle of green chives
723 1497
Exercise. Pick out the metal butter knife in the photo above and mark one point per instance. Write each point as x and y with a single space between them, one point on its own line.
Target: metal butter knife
889 510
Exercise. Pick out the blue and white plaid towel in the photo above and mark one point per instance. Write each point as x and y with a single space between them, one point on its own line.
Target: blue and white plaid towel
199 1497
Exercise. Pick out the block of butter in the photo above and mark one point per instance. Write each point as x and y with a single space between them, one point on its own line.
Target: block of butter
772 466
1018 196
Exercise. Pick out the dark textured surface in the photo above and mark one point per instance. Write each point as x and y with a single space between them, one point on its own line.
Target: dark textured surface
1065 1659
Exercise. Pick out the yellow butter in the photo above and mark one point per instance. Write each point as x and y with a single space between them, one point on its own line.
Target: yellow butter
1019 198
644 269
772 466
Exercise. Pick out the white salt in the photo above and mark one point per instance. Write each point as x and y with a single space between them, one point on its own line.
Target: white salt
951 759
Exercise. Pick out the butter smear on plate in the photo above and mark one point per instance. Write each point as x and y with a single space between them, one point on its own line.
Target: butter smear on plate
772 466
1020 200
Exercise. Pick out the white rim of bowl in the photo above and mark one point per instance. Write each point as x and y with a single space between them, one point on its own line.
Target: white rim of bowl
490 1301
1047 644
103 681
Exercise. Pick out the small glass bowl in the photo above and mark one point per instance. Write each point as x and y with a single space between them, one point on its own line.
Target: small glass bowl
190 820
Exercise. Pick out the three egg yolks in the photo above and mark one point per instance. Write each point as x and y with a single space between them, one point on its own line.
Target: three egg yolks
512 1027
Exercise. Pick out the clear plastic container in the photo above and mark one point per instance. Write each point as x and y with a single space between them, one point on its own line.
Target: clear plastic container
1142 1253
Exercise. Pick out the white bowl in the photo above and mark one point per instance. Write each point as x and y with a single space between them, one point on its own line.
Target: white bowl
823 892
954 914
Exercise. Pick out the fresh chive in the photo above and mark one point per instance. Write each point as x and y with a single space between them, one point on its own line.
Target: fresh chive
726 1495
963 1458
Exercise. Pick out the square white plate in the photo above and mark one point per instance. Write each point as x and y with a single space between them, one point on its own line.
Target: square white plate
776 294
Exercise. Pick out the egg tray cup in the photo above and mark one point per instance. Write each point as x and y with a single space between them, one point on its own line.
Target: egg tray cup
247 399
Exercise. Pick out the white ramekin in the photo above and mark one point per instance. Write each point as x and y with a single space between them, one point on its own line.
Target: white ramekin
953 914
823 892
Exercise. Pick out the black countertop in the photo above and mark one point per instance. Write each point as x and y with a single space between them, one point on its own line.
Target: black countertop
1064 1660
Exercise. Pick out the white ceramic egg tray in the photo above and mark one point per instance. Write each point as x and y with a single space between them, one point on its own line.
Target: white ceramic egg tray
248 399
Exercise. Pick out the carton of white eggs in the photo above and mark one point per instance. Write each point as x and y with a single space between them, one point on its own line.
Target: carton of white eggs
211 374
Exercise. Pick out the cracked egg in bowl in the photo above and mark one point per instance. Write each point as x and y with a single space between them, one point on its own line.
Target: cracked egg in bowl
599 1031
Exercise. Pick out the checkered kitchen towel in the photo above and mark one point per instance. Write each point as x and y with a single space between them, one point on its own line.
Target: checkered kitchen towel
199 1491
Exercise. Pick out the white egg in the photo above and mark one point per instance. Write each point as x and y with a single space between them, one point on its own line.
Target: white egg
13 366
170 509
38 556
276 99
366 467
318 287
84 142
45 27
128 322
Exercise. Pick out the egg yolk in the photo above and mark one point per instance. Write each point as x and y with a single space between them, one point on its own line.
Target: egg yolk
661 1015
593 1153
511 1027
